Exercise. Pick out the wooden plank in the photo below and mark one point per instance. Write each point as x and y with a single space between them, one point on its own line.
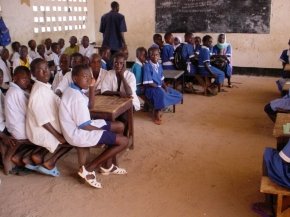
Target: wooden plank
282 118
269 187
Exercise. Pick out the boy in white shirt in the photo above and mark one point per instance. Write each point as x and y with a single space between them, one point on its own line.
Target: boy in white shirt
99 74
80 131
85 48
42 123
64 61
5 66
32 53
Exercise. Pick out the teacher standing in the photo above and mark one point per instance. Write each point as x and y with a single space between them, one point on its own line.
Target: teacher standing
113 26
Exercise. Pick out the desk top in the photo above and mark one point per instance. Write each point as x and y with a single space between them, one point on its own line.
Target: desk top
173 74
286 86
282 118
110 104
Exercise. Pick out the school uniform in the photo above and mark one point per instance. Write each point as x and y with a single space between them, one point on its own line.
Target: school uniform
110 83
16 101
167 57
99 82
62 50
48 51
5 66
88 51
2 116
15 56
285 58
278 165
137 70
104 64
55 59
153 73
281 103
65 81
57 79
32 54
187 53
227 51
43 106
204 57
20 62
74 115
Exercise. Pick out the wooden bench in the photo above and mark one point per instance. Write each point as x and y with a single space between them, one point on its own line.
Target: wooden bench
283 196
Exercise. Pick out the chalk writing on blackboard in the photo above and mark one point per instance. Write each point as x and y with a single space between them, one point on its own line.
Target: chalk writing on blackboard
229 16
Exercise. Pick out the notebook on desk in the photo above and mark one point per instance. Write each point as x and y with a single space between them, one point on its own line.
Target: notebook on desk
286 128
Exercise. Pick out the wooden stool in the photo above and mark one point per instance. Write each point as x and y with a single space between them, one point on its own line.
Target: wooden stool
283 196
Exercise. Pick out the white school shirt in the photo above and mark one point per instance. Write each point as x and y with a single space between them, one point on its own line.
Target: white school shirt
73 114
43 106
16 101
103 73
15 56
110 83
48 52
86 51
6 70
32 54
62 50
64 83
55 59
2 116
57 79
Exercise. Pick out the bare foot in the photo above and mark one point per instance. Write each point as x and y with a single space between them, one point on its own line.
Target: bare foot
17 160
37 158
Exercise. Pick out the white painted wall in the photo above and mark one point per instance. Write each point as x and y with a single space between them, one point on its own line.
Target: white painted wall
19 19
249 50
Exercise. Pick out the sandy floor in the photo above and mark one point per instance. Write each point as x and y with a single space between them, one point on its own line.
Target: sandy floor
204 161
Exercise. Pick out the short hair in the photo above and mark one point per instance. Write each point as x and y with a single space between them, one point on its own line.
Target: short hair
23 46
77 69
152 49
53 45
14 44
114 5
156 36
206 38
188 34
30 42
139 50
74 55
20 69
95 55
103 49
167 35
34 63
118 55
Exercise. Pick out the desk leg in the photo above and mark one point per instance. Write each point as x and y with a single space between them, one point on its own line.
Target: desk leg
182 90
131 128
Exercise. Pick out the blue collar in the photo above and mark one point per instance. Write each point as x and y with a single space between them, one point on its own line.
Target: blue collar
74 86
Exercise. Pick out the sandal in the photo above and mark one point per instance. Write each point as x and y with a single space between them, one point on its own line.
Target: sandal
113 170
92 182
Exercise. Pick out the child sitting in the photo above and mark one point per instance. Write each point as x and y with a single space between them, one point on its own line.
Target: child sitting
15 51
42 123
64 63
99 74
85 48
32 53
120 81
155 88
188 53
82 132
47 43
167 52
285 59
176 42
157 41
5 67
73 48
280 104
24 59
106 55
55 55
61 43
137 68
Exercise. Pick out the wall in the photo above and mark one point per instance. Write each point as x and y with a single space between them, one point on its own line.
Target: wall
19 19
249 50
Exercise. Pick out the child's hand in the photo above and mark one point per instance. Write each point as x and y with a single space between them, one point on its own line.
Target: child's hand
8 141
93 82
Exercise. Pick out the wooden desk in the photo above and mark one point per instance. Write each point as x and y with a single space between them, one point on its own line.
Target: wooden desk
282 139
111 107
174 75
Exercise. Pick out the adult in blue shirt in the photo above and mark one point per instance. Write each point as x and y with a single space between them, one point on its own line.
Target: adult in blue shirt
113 26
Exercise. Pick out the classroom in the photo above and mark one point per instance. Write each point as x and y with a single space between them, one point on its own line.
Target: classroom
204 158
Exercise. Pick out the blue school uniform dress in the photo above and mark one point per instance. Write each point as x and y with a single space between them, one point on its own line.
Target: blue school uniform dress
204 56
281 103
104 64
227 51
153 73
167 57
278 165
137 70
285 58
187 53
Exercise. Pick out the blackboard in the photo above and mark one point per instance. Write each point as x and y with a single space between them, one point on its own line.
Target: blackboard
213 16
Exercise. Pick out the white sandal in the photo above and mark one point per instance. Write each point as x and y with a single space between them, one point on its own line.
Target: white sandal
113 170
92 182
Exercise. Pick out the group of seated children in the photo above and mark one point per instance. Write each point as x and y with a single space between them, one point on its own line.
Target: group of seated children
55 118
207 60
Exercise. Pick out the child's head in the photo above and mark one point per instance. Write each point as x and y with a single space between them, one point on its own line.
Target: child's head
32 44
64 61
81 76
154 54
76 59
47 43
1 76
188 37
168 37
105 53
85 41
119 62
177 40
23 52
197 40
125 51
55 48
40 49
157 39
221 38
40 70
15 46
21 77
141 54
61 43
73 41
95 62
5 54
207 40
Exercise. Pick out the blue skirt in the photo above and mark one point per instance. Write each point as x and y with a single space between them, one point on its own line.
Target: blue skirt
278 170
162 99
220 75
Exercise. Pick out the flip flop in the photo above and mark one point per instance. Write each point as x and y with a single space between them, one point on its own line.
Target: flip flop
53 172
31 167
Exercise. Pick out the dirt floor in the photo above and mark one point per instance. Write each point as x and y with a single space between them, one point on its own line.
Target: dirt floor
205 160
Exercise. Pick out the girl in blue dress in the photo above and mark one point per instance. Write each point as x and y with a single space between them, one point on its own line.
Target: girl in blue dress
137 68
167 55
156 91
222 52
